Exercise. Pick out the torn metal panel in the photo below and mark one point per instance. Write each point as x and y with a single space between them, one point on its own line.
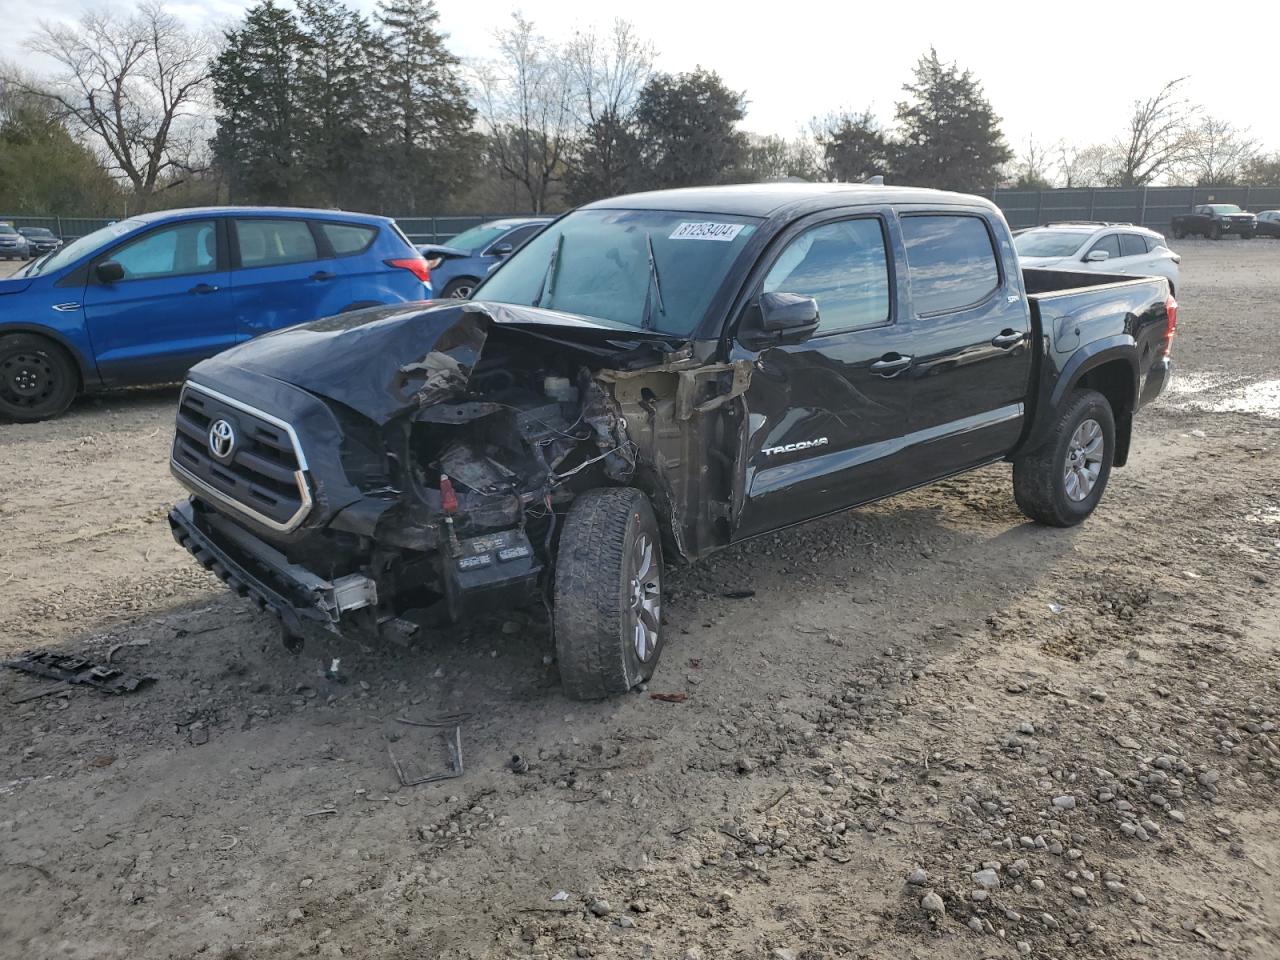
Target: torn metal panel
78 670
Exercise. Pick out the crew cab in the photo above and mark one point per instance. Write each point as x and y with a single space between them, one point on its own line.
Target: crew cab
652 378
1215 221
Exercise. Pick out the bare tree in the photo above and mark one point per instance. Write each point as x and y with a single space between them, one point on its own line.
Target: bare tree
608 74
136 87
1161 130
525 104
1032 168
1217 152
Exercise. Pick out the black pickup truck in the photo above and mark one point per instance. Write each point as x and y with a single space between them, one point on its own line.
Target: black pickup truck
1215 221
653 377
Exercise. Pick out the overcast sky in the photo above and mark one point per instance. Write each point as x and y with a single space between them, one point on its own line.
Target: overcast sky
1052 70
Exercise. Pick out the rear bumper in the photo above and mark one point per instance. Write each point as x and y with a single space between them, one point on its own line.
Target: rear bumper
253 568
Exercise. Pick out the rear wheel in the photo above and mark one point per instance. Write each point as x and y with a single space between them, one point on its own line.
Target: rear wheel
1061 481
459 289
608 594
38 380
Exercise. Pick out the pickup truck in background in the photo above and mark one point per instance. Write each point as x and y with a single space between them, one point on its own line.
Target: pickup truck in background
652 378
1215 221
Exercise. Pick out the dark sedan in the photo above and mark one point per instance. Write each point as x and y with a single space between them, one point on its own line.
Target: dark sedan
1268 224
40 240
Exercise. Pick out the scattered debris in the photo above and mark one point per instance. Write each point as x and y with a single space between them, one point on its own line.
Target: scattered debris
518 764
738 594
455 751
560 896
321 813
57 690
79 670
669 697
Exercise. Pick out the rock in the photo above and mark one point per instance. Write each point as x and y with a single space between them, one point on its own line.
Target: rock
746 764
295 915
1065 802
626 923
1048 920
978 896
1137 897
932 904
1177 816
1097 695
1027 728
691 953
918 877
782 953
1037 884
600 908
1079 893
987 879
1024 948
975 925
1115 886
1127 743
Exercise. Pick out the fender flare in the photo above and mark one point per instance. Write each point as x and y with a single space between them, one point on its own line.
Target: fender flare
89 378
1088 357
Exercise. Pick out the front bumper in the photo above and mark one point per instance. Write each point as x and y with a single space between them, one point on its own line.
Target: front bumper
251 567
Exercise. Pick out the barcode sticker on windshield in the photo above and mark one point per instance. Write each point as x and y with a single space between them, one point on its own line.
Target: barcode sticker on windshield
706 231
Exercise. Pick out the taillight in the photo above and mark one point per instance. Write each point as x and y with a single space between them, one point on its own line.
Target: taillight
418 266
1171 322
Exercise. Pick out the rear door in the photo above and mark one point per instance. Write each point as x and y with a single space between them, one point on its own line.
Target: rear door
970 332
171 310
827 416
282 275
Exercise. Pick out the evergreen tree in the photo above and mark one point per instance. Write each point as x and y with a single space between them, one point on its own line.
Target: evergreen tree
854 147
427 119
687 125
606 160
256 88
948 135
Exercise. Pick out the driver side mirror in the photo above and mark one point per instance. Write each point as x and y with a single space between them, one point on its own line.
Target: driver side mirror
109 271
1097 256
782 318
502 250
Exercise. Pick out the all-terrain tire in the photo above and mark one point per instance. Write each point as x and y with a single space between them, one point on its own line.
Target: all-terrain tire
1040 481
595 583
38 379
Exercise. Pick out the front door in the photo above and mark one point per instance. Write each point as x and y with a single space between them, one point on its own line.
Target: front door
826 417
971 333
171 309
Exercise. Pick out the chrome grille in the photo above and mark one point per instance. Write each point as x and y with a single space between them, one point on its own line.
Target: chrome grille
264 475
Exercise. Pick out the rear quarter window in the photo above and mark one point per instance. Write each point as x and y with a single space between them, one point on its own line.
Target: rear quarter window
950 260
1132 245
348 238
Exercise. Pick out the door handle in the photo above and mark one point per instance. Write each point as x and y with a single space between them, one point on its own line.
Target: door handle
321 275
890 365
203 288
1007 339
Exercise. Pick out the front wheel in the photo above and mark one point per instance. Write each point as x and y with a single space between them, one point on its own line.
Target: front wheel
608 594
38 379
1060 482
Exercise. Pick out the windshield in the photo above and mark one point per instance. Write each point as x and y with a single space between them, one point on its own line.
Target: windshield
1048 243
476 237
1224 208
602 264
88 244
6 229
40 232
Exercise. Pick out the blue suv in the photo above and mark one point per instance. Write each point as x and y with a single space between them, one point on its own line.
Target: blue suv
143 299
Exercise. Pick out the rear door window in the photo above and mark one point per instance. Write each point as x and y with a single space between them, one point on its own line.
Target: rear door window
347 238
265 243
951 261
1109 243
844 267
1132 245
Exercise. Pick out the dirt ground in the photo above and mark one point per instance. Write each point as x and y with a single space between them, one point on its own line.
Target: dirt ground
933 730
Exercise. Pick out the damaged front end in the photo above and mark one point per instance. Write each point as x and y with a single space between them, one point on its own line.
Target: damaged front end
385 470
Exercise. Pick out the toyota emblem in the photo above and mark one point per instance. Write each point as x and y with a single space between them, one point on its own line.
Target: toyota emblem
222 439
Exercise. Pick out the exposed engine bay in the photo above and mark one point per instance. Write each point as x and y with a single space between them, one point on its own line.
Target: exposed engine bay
456 465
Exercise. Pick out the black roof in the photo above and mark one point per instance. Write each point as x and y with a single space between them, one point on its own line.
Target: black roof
766 199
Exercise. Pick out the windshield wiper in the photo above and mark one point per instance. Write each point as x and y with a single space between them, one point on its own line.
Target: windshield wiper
548 288
655 287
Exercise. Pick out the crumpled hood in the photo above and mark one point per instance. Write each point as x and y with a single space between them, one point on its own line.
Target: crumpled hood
383 361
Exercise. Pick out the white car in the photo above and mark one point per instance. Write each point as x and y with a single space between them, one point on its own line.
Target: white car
1102 247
